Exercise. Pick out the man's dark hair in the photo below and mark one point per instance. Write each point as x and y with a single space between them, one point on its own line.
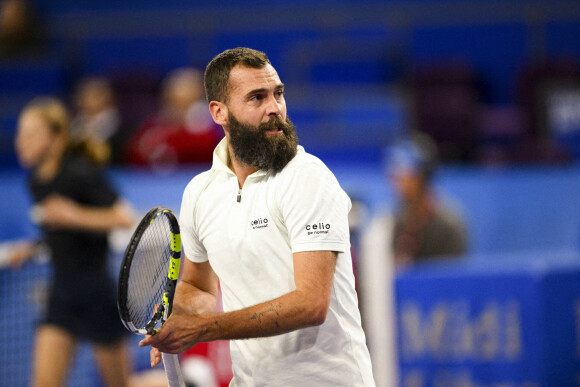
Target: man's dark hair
217 72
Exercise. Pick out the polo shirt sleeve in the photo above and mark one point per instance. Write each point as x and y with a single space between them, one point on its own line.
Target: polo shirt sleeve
191 246
315 210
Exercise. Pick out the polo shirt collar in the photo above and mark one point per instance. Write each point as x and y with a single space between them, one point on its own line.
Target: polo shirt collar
220 156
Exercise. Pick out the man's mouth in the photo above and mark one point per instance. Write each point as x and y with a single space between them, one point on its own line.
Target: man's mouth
274 131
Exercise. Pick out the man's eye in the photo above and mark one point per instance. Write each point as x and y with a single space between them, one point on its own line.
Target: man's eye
256 97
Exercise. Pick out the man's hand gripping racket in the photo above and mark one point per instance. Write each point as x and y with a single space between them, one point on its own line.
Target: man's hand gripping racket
148 279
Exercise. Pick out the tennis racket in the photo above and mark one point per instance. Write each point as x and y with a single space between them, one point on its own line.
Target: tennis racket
148 279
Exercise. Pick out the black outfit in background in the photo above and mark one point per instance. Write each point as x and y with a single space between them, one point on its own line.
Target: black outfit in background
83 294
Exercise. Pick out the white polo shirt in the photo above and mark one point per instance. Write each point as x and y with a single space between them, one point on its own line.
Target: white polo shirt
249 236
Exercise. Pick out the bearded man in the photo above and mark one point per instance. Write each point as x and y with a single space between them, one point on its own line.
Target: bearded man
268 226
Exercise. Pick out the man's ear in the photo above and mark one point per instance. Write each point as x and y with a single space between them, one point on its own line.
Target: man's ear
219 112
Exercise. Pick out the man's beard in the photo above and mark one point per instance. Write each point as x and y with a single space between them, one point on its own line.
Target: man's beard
253 146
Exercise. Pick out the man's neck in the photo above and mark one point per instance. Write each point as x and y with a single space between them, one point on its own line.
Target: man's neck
241 170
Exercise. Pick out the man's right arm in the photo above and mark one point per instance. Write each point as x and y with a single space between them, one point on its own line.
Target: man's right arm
197 290
196 293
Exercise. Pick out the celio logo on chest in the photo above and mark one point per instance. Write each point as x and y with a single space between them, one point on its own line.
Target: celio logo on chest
259 223
318 228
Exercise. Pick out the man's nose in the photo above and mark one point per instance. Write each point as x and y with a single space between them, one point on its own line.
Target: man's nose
274 107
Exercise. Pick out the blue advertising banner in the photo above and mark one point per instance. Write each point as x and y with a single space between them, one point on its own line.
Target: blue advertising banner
511 320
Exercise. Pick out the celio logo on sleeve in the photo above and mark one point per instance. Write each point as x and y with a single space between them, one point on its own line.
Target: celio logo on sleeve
317 228
259 223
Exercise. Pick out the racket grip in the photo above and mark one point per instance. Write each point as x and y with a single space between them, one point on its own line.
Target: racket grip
172 370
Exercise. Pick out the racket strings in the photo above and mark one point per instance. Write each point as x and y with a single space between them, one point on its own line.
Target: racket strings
149 272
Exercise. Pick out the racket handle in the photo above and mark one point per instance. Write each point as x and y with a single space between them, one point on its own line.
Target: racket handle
172 370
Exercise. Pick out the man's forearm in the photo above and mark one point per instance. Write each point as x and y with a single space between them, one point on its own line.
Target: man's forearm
284 314
193 299
194 319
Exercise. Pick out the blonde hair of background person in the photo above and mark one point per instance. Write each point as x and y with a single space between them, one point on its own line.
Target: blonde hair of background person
75 208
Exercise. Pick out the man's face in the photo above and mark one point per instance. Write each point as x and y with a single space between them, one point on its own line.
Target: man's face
258 128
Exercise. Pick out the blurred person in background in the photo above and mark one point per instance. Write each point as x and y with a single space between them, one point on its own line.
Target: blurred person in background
182 131
425 227
21 33
97 115
75 207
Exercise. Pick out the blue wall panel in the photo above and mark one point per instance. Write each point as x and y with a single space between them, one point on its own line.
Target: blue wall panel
513 321
495 51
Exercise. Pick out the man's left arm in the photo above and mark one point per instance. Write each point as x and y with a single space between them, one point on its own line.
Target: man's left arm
306 306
